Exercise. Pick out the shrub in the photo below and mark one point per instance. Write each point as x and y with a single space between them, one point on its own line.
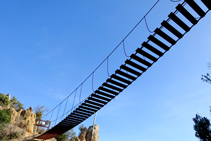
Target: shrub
10 132
14 135
66 136
5 116
4 100
39 110
62 137
16 104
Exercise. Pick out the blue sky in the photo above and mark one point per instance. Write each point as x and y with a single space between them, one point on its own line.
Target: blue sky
49 47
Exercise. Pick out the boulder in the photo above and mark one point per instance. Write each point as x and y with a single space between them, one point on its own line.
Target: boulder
95 135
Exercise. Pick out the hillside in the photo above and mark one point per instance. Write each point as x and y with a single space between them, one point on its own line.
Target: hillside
18 123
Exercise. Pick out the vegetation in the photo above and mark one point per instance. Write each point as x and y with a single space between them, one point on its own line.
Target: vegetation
66 136
81 127
4 118
202 125
10 132
202 128
6 132
4 100
39 111
17 105
62 137
207 77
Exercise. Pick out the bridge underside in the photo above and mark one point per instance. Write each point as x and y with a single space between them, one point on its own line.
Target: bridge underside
134 67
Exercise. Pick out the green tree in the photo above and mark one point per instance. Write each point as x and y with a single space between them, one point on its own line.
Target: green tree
4 118
71 133
206 78
202 128
66 136
4 100
62 137
16 104
39 111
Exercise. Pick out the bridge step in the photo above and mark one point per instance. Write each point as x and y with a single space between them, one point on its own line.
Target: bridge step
130 70
207 3
105 94
165 36
196 7
121 79
125 75
87 108
108 90
184 12
112 87
144 62
171 29
131 63
179 22
151 48
158 42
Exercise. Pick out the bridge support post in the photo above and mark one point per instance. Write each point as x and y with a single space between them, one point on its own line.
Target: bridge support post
93 126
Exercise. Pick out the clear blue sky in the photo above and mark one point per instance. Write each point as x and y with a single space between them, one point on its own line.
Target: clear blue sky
49 47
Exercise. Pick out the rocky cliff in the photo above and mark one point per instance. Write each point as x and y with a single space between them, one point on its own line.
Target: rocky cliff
23 118
86 134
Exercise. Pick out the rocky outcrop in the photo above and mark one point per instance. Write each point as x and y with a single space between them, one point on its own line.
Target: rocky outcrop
9 96
24 119
82 135
95 135
2 108
75 139
86 134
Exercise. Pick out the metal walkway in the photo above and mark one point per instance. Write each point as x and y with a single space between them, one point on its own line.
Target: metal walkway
135 66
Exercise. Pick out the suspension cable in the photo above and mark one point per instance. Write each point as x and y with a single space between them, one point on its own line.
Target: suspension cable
58 113
175 0
80 93
107 68
93 82
123 43
65 107
74 98
92 73
148 26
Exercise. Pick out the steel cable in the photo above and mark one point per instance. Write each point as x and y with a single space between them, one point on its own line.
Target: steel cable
92 74
148 26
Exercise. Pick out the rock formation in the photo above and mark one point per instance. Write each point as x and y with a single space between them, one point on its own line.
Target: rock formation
82 135
9 96
24 119
75 139
85 134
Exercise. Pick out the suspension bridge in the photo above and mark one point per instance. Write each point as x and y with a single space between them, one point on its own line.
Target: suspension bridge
143 58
